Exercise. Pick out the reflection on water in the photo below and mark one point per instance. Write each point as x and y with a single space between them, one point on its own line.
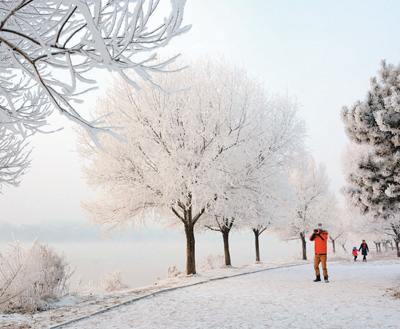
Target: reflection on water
142 261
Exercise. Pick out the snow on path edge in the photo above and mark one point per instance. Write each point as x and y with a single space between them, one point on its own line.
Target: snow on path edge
133 300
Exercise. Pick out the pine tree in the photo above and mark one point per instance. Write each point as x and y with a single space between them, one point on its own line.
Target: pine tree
373 175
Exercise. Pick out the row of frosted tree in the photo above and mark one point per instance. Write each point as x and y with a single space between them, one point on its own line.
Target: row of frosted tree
217 153
222 154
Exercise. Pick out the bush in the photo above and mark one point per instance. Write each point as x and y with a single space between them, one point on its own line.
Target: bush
112 281
31 278
213 262
172 272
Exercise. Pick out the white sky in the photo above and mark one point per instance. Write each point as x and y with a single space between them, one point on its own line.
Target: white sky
322 52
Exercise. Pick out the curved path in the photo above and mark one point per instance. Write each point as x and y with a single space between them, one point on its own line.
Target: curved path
356 297
130 301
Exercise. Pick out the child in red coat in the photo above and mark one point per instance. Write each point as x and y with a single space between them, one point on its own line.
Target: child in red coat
355 253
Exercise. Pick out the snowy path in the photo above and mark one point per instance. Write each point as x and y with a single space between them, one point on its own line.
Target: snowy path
356 297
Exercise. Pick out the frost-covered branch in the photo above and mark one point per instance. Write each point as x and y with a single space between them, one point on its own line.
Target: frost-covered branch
47 48
13 158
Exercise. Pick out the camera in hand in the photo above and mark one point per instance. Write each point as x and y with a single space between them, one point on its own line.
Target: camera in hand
316 230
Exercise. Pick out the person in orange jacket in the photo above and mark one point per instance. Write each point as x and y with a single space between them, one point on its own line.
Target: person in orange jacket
320 238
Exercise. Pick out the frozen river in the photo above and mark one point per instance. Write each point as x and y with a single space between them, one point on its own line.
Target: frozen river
144 256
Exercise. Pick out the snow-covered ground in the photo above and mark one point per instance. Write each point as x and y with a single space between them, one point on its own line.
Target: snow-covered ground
359 295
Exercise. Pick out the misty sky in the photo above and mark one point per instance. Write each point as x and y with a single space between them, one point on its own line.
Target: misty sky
322 52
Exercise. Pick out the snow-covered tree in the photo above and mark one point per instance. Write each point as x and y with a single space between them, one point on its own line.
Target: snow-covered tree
259 225
13 158
307 208
335 220
224 226
271 212
392 229
178 160
380 231
373 174
253 196
371 220
47 48
371 228
346 225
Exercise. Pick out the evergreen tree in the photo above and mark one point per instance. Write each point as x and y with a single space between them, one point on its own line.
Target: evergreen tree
373 171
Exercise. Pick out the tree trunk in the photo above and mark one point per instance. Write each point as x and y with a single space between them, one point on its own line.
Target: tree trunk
304 245
190 250
189 222
334 246
397 247
257 244
225 235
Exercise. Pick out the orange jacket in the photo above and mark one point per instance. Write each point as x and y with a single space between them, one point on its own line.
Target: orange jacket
321 242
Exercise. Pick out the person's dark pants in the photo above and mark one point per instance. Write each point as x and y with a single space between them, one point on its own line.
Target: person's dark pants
364 258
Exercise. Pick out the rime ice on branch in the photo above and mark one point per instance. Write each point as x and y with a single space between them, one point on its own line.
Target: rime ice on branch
47 47
13 158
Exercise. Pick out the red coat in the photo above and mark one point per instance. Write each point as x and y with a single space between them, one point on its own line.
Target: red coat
355 252
321 242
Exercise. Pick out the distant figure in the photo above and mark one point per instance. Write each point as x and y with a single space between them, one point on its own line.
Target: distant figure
355 253
364 250
320 238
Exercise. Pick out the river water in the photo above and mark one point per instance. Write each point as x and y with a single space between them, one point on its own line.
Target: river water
145 258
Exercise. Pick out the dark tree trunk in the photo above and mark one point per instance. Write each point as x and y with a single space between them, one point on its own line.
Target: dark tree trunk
224 226
333 244
396 231
257 243
303 245
397 247
190 250
225 234
344 248
189 221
